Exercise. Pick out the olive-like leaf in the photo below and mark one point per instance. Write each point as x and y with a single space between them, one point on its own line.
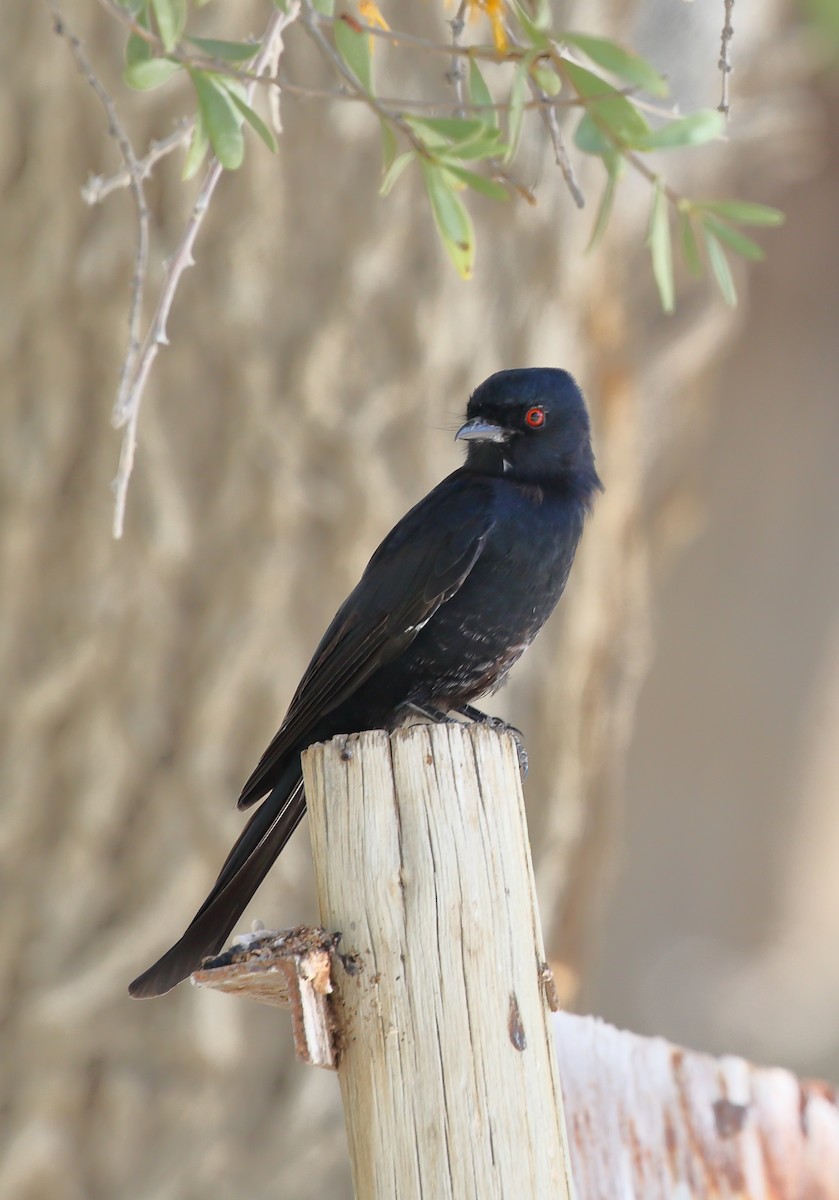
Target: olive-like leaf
533 26
478 183
229 51
354 48
744 212
720 268
389 145
480 94
699 127
171 20
515 111
609 109
254 120
546 78
199 144
149 73
222 119
626 64
734 238
137 49
604 210
451 129
394 171
661 251
590 139
687 240
452 219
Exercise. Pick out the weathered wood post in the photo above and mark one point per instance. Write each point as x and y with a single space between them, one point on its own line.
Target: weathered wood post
447 1063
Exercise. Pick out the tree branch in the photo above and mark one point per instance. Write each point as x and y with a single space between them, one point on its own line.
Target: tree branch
130 398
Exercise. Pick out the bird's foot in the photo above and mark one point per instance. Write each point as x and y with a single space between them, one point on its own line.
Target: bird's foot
438 717
425 712
482 718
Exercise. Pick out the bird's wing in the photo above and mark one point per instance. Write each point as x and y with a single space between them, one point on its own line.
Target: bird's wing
421 563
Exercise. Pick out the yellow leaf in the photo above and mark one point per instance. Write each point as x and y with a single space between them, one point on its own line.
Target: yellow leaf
494 10
369 11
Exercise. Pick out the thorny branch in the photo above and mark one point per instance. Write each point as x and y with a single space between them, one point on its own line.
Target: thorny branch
140 357
129 407
134 172
725 57
549 117
457 71
98 187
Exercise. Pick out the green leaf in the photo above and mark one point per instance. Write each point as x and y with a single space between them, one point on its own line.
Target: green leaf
222 119
590 139
137 50
451 129
458 137
149 73
394 171
452 219
626 64
546 78
254 120
721 269
229 51
389 145
531 27
687 239
171 20
515 111
744 212
199 144
735 239
610 110
478 183
604 210
137 8
699 127
354 48
661 251
486 147
480 94
325 7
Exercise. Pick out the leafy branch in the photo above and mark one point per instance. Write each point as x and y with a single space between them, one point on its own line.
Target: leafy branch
458 142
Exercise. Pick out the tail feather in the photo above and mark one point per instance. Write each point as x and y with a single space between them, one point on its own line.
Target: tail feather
262 839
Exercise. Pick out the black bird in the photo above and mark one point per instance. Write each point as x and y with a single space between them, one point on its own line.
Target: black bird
453 596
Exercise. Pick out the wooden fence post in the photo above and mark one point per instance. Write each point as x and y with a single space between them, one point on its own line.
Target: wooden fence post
447 1064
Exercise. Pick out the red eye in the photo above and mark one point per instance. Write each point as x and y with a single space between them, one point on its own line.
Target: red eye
535 418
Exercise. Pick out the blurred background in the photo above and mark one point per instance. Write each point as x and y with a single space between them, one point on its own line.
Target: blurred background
681 713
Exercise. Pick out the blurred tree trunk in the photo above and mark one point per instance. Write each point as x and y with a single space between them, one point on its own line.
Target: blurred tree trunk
320 352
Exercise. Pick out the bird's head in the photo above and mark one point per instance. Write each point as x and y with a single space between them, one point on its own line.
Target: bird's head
531 425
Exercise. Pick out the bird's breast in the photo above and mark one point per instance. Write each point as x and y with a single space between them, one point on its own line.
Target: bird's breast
474 639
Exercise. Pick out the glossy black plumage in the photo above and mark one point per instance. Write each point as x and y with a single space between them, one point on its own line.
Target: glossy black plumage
449 601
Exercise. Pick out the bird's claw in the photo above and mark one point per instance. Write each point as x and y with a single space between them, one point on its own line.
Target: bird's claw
518 737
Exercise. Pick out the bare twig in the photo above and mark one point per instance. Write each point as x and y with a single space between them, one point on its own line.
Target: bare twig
457 71
724 105
551 122
127 412
135 176
100 186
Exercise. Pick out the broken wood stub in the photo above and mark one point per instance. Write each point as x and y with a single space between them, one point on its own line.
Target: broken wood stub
290 969
447 1066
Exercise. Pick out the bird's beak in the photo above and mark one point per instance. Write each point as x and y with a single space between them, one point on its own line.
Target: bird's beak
479 430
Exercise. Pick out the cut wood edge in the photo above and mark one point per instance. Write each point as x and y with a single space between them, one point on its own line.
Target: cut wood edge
286 969
648 1118
645 1117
